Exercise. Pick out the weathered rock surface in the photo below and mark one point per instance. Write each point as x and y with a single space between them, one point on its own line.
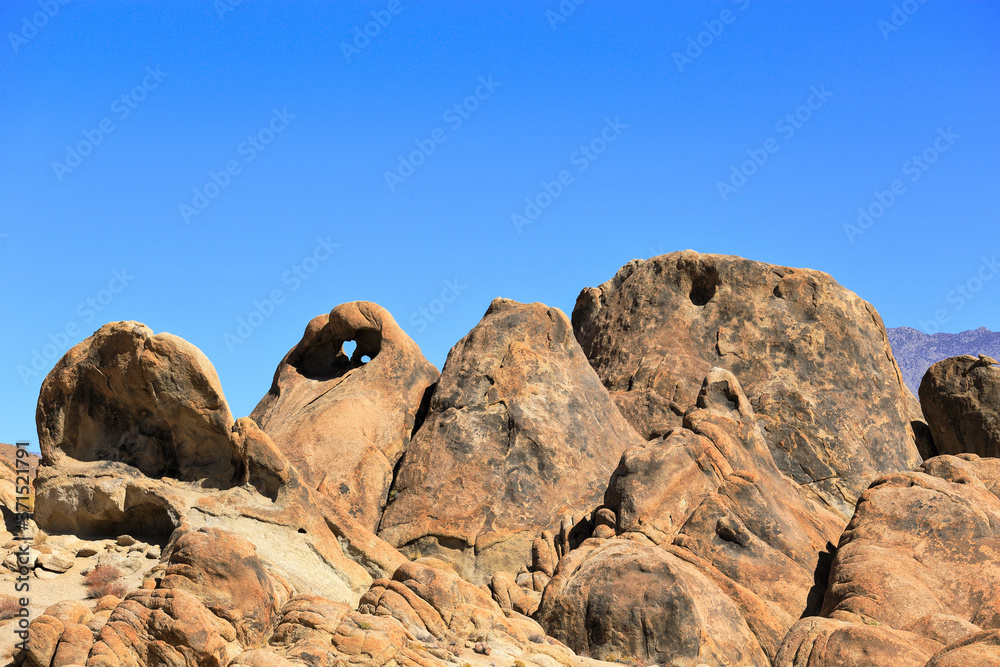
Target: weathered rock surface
216 603
520 432
960 398
118 480
717 551
916 574
342 422
151 401
812 357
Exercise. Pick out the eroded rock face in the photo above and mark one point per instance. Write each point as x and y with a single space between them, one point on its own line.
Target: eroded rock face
960 398
344 423
151 401
215 603
520 432
916 572
707 509
812 357
99 480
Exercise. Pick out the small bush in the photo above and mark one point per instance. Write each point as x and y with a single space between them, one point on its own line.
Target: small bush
9 607
364 625
518 663
105 580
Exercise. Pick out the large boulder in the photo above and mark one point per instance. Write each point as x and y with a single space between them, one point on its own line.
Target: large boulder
812 357
153 402
739 551
916 574
520 433
344 422
960 398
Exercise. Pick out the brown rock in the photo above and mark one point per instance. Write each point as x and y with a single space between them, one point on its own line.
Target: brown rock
818 642
812 357
151 401
74 646
520 433
223 571
710 495
960 398
344 423
43 638
919 558
632 599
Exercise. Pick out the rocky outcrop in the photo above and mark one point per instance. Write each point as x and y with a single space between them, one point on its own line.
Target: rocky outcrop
214 602
960 398
520 433
717 552
342 421
150 401
916 578
812 357
13 466
118 418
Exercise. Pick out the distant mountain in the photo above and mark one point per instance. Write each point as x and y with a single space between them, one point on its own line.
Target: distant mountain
916 351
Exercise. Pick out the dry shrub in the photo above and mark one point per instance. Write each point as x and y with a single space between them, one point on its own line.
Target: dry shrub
105 580
9 607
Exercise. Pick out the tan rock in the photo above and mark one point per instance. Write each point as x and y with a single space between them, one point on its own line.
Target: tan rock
344 423
960 398
519 434
812 357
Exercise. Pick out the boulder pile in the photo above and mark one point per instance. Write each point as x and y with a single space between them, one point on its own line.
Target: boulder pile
714 462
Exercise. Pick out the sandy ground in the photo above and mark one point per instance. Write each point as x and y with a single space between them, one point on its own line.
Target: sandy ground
69 585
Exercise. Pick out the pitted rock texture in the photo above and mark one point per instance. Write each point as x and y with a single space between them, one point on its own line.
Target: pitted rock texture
960 398
812 357
737 543
342 422
520 432
916 573
153 402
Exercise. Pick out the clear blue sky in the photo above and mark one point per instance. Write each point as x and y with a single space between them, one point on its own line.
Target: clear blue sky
309 117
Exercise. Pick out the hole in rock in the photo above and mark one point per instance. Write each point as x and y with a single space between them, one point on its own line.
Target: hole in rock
365 358
349 347
703 286
147 522
302 530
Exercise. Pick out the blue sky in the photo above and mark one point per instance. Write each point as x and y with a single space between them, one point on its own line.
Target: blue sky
178 163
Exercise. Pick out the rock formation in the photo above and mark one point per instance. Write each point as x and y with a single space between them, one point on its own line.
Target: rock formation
960 398
137 439
716 554
665 480
812 357
916 351
341 421
916 578
519 434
